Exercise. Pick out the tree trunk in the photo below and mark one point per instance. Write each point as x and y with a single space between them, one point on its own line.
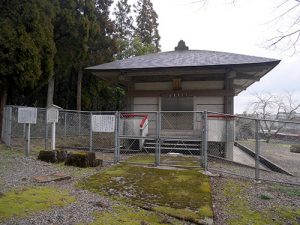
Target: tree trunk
268 138
3 99
78 97
50 91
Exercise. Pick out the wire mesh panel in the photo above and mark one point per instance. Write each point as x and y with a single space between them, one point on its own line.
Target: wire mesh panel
17 130
280 150
244 146
138 133
177 121
227 137
73 130
103 141
38 129
180 138
6 125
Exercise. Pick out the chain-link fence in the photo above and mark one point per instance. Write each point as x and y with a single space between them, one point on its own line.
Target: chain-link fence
243 146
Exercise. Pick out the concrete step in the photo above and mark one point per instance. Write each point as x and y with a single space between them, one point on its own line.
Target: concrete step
175 146
172 149
172 144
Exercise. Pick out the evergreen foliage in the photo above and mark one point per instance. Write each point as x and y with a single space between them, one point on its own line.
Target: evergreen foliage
136 38
147 25
41 39
123 20
27 46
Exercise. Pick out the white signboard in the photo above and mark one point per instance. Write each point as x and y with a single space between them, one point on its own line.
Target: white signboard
103 123
27 115
52 115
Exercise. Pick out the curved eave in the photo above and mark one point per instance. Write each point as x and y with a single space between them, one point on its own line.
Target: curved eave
254 72
95 69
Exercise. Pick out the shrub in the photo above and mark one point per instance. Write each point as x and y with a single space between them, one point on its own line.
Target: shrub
295 148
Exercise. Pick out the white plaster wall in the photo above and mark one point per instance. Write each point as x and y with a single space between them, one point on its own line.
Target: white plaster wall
213 104
145 104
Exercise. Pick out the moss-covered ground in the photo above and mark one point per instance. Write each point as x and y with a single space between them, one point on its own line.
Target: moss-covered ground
184 194
22 202
240 209
148 195
128 215
288 190
178 160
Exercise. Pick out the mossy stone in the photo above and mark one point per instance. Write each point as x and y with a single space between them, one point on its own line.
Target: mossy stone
295 148
61 155
48 156
56 156
82 159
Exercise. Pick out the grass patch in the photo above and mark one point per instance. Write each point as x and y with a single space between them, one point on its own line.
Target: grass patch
187 214
240 212
166 159
127 215
265 196
7 152
22 202
288 190
179 192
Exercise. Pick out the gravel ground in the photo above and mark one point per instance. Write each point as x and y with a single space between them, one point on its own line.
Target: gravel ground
17 171
252 194
279 154
247 171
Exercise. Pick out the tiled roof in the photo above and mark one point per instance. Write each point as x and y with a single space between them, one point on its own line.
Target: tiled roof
183 58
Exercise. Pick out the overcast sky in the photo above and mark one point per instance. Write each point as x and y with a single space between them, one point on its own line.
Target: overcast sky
240 28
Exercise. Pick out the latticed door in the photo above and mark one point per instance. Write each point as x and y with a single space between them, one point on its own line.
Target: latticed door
175 114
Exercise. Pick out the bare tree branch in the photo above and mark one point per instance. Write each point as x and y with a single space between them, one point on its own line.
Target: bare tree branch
289 34
270 106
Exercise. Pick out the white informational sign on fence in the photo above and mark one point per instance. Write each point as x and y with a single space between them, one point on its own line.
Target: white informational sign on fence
52 115
27 115
103 123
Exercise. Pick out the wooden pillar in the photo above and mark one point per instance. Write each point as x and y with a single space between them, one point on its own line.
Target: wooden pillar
129 102
228 100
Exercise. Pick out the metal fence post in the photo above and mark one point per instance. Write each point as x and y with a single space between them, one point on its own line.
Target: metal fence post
9 128
91 131
4 123
202 136
5 136
204 140
118 135
157 144
257 150
65 125
46 131
116 153
27 145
